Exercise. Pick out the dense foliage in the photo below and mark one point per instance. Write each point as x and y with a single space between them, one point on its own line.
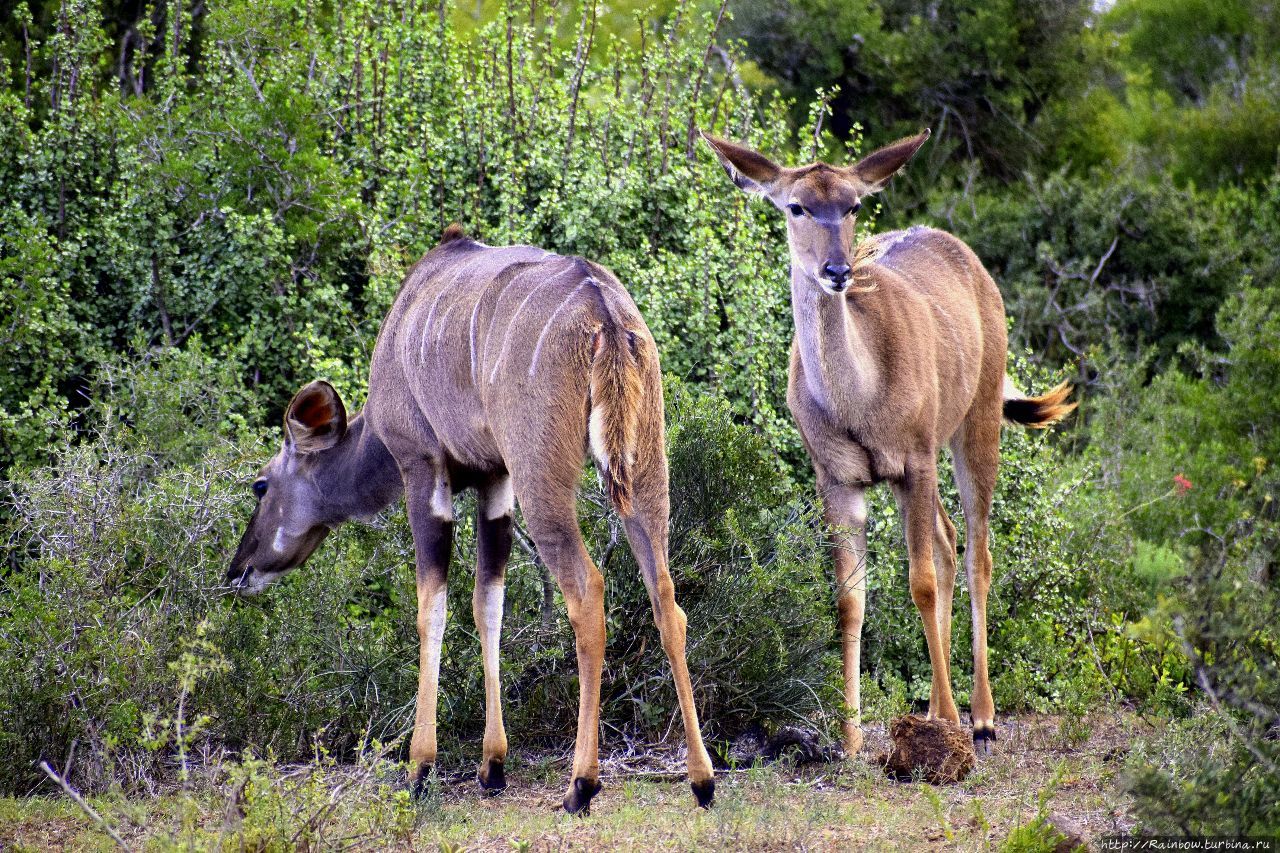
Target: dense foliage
203 206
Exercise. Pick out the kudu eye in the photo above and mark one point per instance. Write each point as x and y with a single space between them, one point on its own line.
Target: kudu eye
260 488
796 210
857 205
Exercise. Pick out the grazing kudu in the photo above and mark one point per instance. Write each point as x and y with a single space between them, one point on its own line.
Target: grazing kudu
498 369
899 348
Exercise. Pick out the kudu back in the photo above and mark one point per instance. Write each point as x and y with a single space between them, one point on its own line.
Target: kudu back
899 348
498 369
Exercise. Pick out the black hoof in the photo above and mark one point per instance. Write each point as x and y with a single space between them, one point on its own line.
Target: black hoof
418 784
984 739
579 799
493 780
704 792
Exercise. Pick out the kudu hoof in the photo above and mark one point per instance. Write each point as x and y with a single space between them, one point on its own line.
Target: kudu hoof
418 784
578 800
984 739
704 792
493 779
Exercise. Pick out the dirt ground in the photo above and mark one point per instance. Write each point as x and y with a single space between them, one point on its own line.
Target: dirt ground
1064 768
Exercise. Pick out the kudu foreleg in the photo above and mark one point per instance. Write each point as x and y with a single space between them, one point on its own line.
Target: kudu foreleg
648 543
845 512
917 500
429 502
493 535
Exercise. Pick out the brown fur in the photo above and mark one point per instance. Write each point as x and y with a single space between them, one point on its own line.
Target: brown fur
484 375
617 388
1040 412
899 348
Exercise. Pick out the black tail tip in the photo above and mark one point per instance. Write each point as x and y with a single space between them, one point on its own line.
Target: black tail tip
1040 412
704 792
1022 411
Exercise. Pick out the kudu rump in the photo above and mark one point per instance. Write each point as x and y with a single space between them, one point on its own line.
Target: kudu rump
897 350
496 369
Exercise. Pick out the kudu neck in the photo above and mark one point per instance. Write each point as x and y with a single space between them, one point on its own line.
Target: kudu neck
364 478
839 366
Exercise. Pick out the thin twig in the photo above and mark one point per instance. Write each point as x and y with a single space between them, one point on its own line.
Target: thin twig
88 809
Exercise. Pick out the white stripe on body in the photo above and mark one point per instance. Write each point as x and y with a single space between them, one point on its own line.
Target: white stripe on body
537 350
444 288
422 350
474 312
506 337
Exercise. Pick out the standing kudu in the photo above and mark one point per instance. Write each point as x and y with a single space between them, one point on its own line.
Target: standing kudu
883 373
496 369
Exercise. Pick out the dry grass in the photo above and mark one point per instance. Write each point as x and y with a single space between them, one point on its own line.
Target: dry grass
1068 765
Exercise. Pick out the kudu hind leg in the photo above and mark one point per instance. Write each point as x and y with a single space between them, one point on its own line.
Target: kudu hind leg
429 500
917 500
845 511
944 564
493 535
554 529
977 457
648 538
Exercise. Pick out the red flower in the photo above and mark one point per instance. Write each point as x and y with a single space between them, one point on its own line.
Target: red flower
1181 483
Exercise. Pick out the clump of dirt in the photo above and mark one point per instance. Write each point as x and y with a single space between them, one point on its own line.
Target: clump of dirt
940 751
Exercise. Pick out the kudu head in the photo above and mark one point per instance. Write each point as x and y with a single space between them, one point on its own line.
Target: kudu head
294 513
821 202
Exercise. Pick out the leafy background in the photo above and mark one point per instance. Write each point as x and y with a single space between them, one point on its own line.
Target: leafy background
203 206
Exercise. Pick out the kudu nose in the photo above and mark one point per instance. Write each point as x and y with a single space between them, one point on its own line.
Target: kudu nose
836 273
236 575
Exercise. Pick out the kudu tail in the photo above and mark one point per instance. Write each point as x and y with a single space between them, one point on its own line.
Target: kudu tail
617 387
1036 412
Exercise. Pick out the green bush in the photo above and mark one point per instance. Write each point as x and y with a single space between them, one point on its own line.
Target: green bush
116 622
270 184
236 201
1083 261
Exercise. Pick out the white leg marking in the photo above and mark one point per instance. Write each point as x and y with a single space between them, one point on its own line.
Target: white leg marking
500 500
278 544
537 350
491 608
442 500
435 635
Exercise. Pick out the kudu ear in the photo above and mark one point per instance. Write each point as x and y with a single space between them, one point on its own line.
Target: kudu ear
880 165
749 170
316 419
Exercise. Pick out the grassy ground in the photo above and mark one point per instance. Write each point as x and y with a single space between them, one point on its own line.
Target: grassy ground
1064 767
